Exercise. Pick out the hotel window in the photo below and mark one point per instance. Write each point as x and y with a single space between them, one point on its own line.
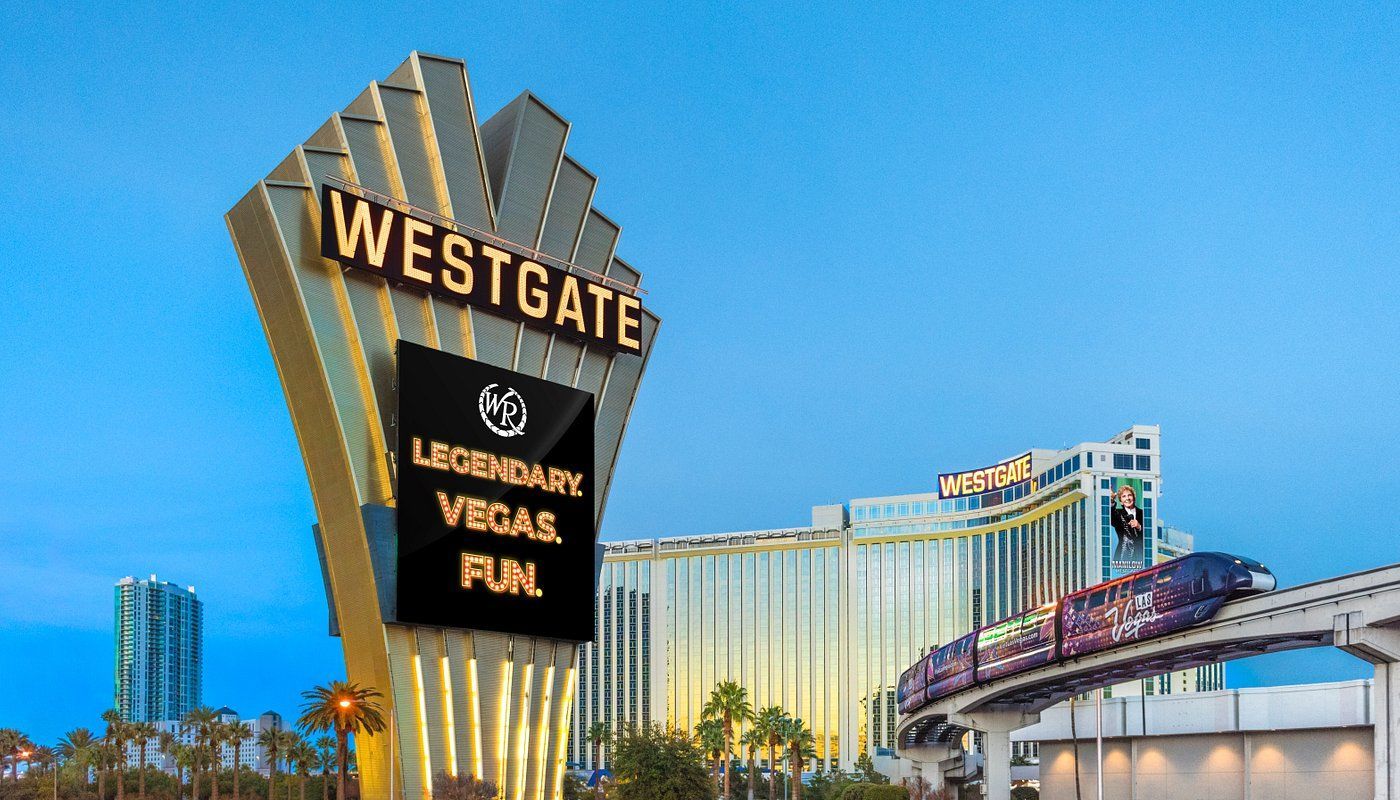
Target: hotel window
860 512
903 510
1143 444
1090 458
889 510
1122 461
1144 463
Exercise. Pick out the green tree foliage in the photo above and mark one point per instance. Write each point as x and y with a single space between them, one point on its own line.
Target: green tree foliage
78 748
709 734
829 785
886 792
462 787
866 772
573 788
658 763
1025 793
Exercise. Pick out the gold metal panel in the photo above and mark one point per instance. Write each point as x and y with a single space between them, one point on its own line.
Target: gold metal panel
408 730
295 351
432 653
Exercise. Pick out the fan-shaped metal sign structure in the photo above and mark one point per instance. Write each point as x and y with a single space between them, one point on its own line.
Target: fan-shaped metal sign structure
478 243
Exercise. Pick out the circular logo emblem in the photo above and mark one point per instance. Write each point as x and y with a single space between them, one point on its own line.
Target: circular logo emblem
502 409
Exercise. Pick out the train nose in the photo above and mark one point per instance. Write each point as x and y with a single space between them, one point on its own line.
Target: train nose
1261 581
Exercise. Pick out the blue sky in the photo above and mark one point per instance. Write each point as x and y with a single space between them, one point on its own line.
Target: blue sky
883 243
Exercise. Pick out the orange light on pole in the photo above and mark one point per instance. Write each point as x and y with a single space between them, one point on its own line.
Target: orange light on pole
344 703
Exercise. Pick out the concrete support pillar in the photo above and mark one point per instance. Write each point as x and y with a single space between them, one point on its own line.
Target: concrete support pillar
1381 647
927 761
996 764
996 727
1385 708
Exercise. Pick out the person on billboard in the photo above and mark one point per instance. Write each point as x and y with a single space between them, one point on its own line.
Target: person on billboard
1127 523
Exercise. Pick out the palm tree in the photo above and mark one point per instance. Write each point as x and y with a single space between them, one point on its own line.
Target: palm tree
274 743
165 743
15 747
710 732
290 751
325 759
304 755
105 754
141 733
752 739
198 721
598 734
116 736
79 747
44 756
769 722
215 734
800 744
728 702
184 756
9 744
343 708
235 733
24 751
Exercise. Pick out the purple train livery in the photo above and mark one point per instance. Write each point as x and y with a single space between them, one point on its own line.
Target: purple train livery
1153 602
1017 644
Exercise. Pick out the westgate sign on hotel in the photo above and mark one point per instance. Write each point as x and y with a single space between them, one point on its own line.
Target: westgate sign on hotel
987 479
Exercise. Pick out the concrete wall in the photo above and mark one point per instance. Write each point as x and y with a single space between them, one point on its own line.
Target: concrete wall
1315 705
1322 764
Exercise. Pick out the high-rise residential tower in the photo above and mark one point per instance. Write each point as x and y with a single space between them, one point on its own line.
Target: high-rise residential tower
160 649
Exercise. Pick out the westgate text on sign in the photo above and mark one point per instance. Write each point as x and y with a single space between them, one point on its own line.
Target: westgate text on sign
370 236
495 498
987 479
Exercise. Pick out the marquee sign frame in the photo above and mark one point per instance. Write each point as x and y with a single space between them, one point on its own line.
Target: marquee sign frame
495 705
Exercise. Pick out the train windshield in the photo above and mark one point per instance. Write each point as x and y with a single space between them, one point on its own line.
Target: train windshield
1252 565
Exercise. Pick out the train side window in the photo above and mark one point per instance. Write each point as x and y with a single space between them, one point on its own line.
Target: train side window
1166 575
1079 603
1142 584
1097 599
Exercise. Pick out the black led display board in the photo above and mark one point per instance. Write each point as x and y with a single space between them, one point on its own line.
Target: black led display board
495 498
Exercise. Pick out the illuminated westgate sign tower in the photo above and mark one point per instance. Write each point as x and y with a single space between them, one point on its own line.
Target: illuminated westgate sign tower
413 268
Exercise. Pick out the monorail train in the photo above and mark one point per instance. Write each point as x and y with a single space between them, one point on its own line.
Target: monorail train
1152 602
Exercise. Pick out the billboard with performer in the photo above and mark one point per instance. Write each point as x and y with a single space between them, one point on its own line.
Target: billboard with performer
1131 526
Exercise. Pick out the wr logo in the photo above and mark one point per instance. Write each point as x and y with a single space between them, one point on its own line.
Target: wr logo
502 409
